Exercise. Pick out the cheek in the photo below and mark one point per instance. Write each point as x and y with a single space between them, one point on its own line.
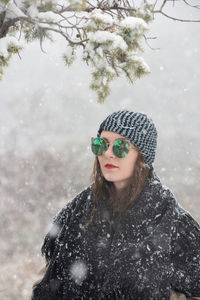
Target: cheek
129 165
128 169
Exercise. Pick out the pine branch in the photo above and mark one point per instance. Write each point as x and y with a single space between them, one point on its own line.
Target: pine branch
109 33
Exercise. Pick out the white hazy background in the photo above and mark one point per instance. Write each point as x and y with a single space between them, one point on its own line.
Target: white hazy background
47 116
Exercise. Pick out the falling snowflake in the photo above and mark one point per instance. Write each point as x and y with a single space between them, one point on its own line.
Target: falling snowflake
78 271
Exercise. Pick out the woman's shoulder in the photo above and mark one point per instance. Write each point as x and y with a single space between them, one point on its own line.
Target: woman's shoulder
160 192
180 216
185 230
62 220
81 199
185 223
185 251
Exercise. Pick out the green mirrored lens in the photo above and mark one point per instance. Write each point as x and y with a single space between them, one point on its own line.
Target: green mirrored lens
121 148
99 146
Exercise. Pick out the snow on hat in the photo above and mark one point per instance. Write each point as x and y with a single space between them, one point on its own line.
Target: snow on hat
137 128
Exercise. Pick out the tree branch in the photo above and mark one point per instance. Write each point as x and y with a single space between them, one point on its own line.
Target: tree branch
175 19
163 4
81 43
150 38
4 26
103 8
194 6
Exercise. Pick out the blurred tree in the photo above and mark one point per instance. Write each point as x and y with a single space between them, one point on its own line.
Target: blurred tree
109 33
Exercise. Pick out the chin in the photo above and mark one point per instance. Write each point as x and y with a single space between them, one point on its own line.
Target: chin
110 178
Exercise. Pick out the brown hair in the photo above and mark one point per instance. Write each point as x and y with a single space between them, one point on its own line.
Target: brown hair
119 202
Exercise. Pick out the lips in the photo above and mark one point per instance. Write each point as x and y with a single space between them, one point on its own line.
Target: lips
110 166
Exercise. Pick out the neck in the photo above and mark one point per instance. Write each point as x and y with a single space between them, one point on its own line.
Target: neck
120 185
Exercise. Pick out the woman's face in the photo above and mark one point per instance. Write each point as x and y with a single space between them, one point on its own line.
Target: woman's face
123 168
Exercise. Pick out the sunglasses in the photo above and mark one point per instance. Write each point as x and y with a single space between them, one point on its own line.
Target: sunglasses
120 147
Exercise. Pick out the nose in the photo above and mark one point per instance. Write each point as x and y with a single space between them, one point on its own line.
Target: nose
109 152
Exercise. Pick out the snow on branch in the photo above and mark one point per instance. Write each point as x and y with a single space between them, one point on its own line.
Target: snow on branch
109 33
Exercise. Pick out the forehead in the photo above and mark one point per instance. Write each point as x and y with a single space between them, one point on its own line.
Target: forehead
111 136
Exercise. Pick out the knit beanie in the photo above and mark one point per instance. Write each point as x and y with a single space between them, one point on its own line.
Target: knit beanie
137 128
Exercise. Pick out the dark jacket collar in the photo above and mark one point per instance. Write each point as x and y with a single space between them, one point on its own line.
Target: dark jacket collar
148 208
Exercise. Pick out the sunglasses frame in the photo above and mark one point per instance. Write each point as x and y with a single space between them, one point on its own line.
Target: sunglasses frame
108 145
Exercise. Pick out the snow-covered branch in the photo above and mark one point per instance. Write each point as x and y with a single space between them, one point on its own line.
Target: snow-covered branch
108 32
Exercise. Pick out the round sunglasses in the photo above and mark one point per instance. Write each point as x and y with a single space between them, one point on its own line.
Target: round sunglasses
120 147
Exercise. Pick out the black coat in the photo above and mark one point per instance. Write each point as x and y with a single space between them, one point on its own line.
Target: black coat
154 248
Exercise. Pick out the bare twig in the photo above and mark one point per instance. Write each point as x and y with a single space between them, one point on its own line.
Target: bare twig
20 34
194 6
19 55
154 5
59 25
150 38
163 4
81 43
176 19
41 46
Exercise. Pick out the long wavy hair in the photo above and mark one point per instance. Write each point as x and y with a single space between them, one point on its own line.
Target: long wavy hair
104 192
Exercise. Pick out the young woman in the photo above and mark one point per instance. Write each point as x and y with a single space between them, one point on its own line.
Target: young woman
125 236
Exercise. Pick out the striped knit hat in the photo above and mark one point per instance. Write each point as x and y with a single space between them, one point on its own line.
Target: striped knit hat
137 128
